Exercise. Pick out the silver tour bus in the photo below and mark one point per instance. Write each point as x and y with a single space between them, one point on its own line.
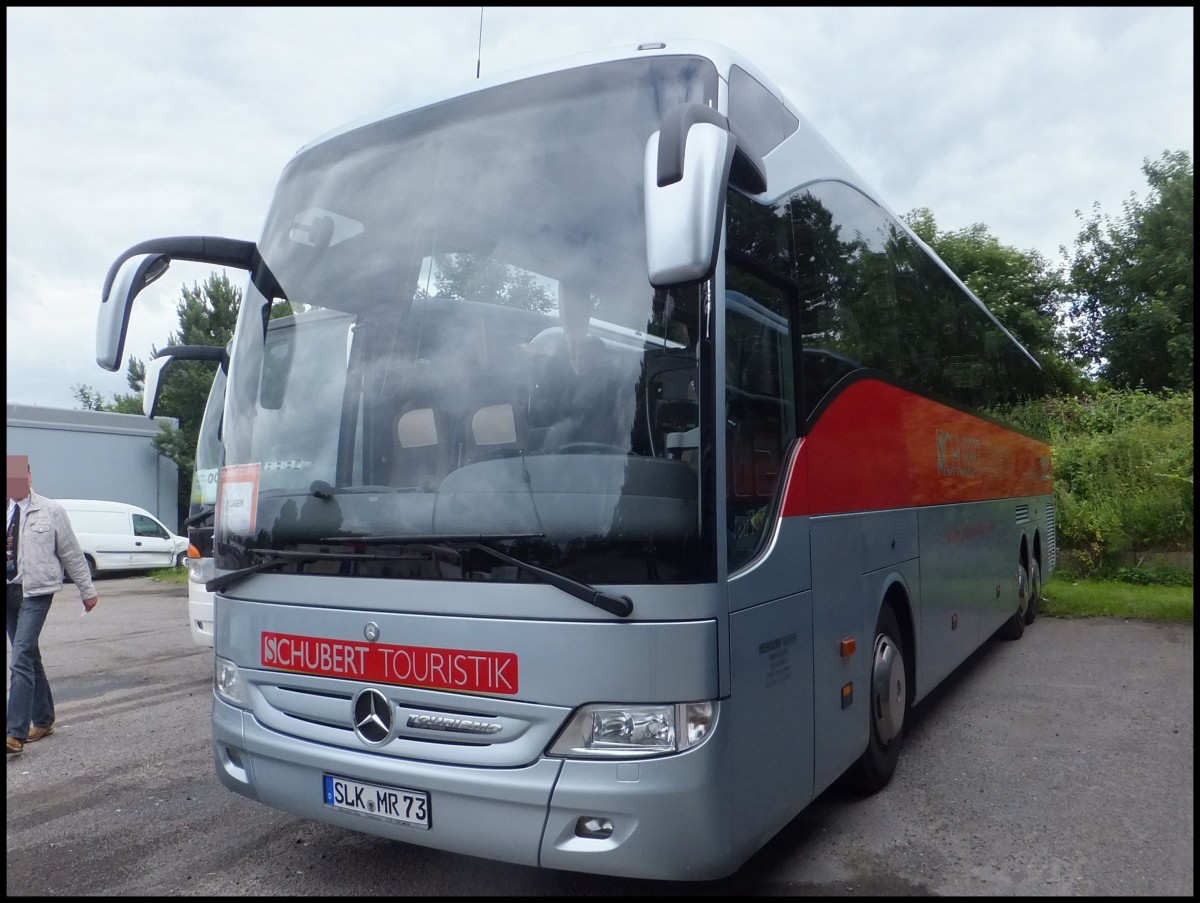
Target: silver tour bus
625 473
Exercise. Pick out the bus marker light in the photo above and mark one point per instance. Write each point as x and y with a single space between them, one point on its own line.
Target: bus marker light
954 621
848 646
847 694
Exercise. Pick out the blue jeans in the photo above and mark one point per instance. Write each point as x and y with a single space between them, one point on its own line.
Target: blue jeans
29 697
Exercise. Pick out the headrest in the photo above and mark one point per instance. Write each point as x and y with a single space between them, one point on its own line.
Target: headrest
417 428
494 425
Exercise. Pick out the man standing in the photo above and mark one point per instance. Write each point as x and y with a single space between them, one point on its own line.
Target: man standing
40 543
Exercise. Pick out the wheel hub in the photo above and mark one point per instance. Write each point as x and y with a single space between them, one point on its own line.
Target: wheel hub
888 689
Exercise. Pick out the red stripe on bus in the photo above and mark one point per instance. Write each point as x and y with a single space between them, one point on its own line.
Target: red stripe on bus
879 447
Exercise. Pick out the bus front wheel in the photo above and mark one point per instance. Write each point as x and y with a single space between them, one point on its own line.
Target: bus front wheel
889 703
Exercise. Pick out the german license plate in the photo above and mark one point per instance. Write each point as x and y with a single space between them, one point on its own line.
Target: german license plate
393 804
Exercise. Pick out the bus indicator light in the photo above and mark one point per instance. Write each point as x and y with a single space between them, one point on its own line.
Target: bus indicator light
848 646
847 694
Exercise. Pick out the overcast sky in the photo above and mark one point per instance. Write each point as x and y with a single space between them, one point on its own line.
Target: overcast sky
126 124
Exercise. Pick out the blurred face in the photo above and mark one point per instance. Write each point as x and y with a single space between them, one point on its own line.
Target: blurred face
18 485
17 474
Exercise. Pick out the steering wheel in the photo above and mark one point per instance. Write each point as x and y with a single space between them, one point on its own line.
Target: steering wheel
591 448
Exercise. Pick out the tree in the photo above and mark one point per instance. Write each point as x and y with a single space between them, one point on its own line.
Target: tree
91 400
1132 283
1021 289
466 276
207 316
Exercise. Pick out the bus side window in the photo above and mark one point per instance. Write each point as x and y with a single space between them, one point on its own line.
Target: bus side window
669 401
756 448
760 410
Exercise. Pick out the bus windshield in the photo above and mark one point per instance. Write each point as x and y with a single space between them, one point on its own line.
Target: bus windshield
208 450
474 349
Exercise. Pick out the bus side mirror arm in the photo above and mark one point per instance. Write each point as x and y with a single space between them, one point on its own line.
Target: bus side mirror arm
747 170
139 266
690 162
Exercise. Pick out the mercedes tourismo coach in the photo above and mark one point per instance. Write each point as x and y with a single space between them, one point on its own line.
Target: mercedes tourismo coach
626 474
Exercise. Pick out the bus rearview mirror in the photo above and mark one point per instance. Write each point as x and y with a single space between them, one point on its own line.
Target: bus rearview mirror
112 322
683 217
152 383
690 162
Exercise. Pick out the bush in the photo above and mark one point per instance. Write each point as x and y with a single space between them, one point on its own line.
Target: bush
1146 575
1123 476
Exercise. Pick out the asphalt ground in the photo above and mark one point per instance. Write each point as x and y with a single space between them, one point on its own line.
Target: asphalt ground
1057 765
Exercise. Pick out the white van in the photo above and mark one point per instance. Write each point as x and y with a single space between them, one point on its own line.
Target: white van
116 536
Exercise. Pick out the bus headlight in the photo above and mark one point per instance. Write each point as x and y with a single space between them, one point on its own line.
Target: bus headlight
227 683
635 731
200 570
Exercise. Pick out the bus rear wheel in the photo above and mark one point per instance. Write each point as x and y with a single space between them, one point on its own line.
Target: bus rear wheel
889 704
1035 592
1014 627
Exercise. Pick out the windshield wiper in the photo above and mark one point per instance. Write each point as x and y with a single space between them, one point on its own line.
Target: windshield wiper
621 606
206 511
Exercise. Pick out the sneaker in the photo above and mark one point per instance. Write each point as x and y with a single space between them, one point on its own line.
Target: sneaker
15 745
36 733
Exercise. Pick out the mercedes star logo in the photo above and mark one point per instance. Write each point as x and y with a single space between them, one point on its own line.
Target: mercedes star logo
373 717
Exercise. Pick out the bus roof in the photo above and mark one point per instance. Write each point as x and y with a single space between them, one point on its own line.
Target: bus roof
721 56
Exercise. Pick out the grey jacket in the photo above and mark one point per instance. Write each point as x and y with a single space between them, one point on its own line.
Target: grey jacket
47 544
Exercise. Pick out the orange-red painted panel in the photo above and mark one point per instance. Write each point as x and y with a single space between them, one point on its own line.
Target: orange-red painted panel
880 447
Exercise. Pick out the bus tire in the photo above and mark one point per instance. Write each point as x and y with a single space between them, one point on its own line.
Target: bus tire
888 703
1014 627
1035 592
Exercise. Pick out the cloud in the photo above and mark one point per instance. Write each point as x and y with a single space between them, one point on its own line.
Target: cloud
127 123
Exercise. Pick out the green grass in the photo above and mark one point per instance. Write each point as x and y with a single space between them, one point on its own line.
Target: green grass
1068 597
170 575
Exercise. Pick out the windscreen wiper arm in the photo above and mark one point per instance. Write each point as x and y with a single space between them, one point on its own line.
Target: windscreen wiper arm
206 511
621 606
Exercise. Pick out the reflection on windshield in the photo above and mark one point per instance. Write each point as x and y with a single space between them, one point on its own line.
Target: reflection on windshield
475 347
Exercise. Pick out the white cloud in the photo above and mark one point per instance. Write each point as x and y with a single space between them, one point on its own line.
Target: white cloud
125 124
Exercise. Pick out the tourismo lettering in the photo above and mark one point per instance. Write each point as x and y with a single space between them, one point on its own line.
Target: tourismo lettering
461 670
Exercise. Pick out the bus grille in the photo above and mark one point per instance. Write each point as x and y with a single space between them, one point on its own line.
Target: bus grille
428 725
1022 514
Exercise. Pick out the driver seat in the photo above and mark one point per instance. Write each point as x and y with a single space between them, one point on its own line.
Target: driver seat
495 431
